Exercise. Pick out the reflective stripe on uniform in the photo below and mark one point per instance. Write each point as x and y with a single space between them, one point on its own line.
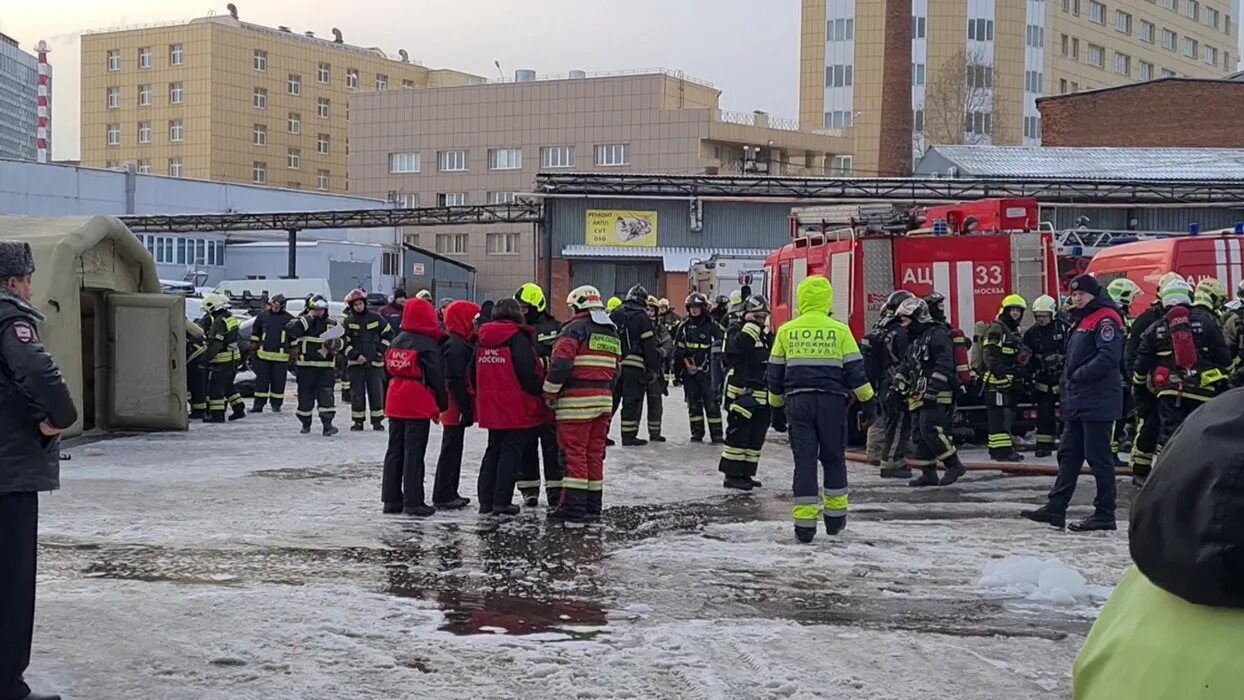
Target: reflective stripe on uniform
634 361
835 502
575 484
806 511
528 484
595 361
1000 441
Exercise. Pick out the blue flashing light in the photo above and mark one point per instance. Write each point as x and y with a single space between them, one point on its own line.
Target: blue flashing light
1239 228
1194 229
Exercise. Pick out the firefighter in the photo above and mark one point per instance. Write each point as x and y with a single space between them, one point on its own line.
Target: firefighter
1210 295
583 367
815 366
315 359
1047 341
1124 291
1182 357
1233 335
693 342
669 320
613 305
641 362
222 361
367 338
747 396
721 306
1005 360
928 370
271 345
935 302
1145 443
196 370
424 295
535 314
882 350
658 385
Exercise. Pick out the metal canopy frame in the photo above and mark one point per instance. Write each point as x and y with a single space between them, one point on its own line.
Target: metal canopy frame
1046 191
518 212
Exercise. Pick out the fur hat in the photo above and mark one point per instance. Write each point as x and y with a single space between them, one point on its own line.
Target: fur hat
16 259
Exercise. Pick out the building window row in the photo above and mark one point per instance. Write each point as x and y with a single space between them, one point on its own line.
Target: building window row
176 57
979 123
841 165
917 74
980 77
557 157
839 119
840 30
502 243
919 27
980 29
1033 81
451 199
176 250
451 243
1035 36
1032 127
456 161
840 75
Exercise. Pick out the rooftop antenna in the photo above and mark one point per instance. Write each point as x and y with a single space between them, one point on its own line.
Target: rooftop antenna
233 10
498 65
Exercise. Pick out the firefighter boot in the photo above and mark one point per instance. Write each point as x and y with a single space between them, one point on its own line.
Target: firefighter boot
306 424
572 507
356 426
609 442
276 405
954 470
834 525
894 471
215 416
928 477
392 508
1096 521
805 534
239 412
329 430
633 442
1004 456
197 414
259 404
595 506
377 424
554 496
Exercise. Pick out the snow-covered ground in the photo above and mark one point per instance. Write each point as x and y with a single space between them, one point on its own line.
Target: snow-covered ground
247 561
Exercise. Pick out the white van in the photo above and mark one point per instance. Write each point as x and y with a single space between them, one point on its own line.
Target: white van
292 289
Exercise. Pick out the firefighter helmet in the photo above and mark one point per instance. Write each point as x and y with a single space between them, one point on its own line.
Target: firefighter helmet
585 298
317 302
614 303
637 293
1214 289
1176 292
724 301
278 299
1044 304
1123 291
424 295
531 295
1167 279
1014 301
897 297
696 299
664 304
934 298
914 308
653 302
355 295
215 302
756 304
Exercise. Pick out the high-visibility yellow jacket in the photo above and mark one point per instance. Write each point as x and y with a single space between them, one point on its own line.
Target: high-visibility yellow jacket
816 352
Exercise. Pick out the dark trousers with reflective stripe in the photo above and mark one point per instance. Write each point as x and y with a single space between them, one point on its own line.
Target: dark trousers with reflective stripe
196 384
1172 410
717 376
1000 415
403 461
366 389
502 459
542 446
747 425
270 379
931 441
896 442
220 376
817 424
1047 424
315 387
19 545
1145 443
1085 440
633 389
448 465
701 407
655 393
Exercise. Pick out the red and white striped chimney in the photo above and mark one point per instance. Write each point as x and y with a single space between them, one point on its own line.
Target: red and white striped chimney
43 135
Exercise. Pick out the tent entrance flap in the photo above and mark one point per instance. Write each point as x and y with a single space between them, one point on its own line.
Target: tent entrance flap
146 332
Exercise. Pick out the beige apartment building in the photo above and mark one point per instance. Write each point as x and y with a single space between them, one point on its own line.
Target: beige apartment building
978 66
216 98
483 144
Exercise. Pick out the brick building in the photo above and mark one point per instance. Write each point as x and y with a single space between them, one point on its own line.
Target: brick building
1169 112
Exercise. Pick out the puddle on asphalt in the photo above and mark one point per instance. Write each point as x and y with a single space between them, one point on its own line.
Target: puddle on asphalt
350 471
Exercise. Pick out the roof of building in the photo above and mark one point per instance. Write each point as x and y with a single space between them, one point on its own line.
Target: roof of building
674 259
1216 164
1230 80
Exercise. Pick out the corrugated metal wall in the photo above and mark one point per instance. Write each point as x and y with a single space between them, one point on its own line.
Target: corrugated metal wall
726 224
1147 219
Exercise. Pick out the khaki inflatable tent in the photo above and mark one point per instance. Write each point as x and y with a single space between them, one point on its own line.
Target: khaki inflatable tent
119 342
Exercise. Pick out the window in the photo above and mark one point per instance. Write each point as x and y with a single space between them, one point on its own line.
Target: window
613 154
1146 71
406 200
1211 55
261 98
259 173
390 263
500 197
1172 5
919 27
144 167
382 82
408 85
404 162
1212 17
1192 10
980 123
1032 127
110 164
840 75
839 119
321 144
174 167
321 180
295 123
1147 32
1226 60
1065 45
176 131
294 159
841 165
980 29
181 250
1062 86
557 157
176 55
451 243
451 199
144 132
1170 41
295 84
144 95
1123 64
322 107
1190 47
1036 36
114 98
1075 87
114 60
980 77
352 78
1075 7
1122 22
176 93
1075 48
1033 81
451 161
260 135
1168 73
917 74
502 243
144 57
917 120
505 159
1097 12
840 30
260 62
1096 56
114 134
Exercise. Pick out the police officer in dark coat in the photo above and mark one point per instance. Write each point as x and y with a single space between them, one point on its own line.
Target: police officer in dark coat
35 406
1092 400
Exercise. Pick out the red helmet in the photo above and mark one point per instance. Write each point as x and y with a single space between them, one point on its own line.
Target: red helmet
355 295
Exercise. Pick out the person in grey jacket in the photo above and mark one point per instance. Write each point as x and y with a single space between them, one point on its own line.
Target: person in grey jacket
35 406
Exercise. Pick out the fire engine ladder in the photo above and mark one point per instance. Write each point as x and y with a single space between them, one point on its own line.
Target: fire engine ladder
1086 243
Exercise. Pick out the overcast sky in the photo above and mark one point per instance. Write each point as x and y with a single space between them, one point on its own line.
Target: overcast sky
747 48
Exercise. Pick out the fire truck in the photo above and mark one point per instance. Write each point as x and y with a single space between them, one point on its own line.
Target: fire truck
974 255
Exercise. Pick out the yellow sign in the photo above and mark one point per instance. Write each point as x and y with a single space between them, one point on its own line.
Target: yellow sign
612 227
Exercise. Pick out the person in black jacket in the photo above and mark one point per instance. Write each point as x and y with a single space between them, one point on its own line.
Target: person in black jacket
458 352
196 370
1148 423
747 397
223 357
641 361
35 407
535 307
271 344
368 336
315 360
1047 339
693 342
928 372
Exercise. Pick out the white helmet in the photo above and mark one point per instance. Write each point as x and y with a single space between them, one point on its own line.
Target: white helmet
215 302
